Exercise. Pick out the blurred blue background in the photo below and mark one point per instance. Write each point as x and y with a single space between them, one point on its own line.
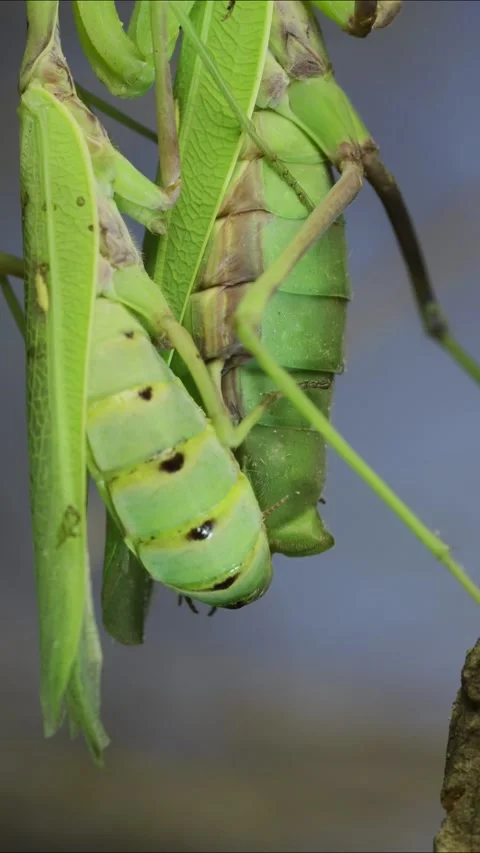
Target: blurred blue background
317 719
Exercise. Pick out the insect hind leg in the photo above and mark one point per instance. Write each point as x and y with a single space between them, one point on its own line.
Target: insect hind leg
432 317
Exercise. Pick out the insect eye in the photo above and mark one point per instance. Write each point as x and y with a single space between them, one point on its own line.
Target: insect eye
197 534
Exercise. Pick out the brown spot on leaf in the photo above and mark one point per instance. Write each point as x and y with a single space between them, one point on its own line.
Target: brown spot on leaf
69 525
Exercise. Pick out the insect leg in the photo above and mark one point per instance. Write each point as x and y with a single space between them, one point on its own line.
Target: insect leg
247 321
168 150
10 265
360 17
357 17
434 321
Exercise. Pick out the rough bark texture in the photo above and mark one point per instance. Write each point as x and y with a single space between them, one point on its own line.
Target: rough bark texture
460 797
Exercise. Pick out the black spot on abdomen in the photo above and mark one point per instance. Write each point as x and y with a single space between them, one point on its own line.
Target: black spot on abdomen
197 534
146 393
173 464
226 584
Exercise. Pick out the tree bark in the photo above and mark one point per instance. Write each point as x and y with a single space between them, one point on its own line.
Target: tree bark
460 796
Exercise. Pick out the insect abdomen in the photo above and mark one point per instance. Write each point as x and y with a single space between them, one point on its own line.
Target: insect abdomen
303 327
183 504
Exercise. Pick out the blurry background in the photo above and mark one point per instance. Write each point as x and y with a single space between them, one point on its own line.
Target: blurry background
317 719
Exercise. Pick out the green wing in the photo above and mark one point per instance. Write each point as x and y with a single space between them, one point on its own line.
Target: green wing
61 246
238 43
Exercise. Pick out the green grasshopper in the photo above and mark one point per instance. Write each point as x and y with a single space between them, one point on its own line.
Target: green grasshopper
91 306
255 260
207 281
99 392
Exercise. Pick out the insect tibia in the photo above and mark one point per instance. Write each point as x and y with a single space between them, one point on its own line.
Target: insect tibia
391 197
363 19
360 17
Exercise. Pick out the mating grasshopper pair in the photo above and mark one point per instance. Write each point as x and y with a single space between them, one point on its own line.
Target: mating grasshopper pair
261 121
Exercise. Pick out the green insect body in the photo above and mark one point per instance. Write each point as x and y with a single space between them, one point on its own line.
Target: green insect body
304 323
259 279
99 394
303 326
180 499
149 445
257 214
242 295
